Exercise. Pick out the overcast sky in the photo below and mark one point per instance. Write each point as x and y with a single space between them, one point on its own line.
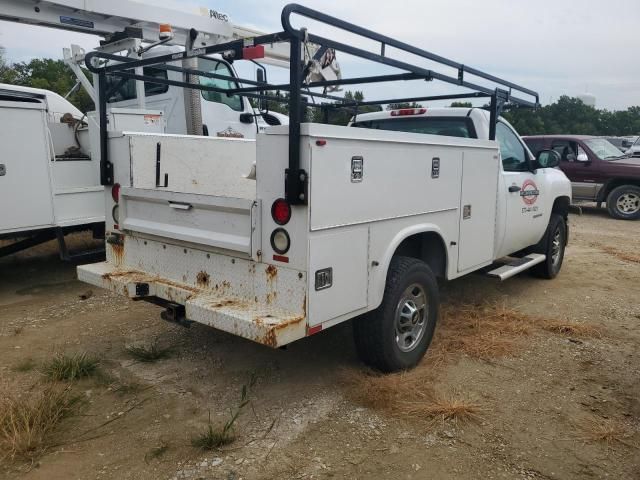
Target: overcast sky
556 47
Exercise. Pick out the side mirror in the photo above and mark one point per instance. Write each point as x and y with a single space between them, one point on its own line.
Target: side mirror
548 159
582 157
261 77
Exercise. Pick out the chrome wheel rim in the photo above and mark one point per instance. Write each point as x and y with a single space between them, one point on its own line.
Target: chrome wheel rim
556 247
411 317
628 203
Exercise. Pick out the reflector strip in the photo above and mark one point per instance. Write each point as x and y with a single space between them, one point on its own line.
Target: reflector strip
251 53
314 330
281 258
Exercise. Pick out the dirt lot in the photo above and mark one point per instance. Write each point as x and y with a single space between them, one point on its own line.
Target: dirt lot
527 379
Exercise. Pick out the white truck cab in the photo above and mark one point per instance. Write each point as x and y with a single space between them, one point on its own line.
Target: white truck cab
338 222
230 116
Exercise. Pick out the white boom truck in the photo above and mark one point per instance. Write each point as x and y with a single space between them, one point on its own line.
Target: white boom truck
338 223
53 179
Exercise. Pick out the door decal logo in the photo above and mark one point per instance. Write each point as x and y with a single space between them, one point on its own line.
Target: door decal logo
529 192
230 133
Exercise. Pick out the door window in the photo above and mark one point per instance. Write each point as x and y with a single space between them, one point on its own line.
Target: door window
125 89
566 149
220 68
514 157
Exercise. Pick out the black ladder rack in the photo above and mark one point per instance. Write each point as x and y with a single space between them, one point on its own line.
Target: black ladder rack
500 91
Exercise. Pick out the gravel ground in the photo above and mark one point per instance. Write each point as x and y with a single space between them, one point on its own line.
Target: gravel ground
138 419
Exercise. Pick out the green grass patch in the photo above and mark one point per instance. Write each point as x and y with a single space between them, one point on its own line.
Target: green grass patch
71 367
149 353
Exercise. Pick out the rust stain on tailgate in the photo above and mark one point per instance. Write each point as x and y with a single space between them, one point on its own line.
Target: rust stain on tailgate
203 279
272 272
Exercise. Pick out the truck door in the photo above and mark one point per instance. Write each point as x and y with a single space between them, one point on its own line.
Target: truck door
25 189
577 166
523 194
221 112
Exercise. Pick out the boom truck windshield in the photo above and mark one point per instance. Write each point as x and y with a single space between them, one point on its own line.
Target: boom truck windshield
337 223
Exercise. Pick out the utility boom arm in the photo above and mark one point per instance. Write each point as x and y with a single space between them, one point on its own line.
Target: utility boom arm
105 18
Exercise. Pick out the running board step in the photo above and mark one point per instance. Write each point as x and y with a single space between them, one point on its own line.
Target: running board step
517 265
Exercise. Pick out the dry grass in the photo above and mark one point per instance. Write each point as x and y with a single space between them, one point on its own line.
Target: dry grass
627 257
70 367
149 353
445 407
570 328
481 332
605 431
408 394
26 424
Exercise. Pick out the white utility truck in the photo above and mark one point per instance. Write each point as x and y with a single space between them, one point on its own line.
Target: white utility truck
49 184
49 169
337 223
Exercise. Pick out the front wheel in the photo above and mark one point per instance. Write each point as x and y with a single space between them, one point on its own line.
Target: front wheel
396 335
552 245
624 202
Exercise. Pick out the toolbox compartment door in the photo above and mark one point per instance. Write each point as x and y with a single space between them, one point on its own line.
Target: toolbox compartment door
478 202
220 222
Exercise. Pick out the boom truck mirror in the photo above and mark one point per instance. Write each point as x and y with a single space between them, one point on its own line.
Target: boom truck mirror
261 77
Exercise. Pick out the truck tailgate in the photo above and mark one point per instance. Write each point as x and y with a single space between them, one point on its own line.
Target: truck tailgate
221 222
187 189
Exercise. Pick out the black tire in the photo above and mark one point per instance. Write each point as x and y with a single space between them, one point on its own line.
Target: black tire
623 202
556 231
376 333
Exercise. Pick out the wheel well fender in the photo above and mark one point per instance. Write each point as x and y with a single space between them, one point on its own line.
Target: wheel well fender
561 206
425 242
614 183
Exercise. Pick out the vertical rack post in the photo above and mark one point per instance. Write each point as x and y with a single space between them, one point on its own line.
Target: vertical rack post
106 167
295 177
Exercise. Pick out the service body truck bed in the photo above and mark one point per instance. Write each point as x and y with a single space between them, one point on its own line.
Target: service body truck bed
339 222
204 242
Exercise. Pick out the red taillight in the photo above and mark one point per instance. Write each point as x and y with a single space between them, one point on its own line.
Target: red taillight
408 111
281 211
115 192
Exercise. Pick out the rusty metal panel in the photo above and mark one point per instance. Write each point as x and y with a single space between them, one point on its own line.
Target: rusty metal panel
260 302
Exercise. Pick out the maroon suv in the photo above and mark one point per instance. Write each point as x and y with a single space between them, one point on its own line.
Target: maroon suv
598 171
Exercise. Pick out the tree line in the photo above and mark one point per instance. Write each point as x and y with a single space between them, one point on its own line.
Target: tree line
48 74
566 115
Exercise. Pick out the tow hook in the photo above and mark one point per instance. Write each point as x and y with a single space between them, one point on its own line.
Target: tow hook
175 313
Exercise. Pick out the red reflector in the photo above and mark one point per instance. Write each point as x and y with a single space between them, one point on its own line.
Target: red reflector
314 330
251 53
408 111
281 211
115 192
281 258
321 143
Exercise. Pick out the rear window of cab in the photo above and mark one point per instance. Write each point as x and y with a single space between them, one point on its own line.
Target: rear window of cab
448 126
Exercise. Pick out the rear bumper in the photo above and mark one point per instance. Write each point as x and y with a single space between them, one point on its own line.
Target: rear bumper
261 323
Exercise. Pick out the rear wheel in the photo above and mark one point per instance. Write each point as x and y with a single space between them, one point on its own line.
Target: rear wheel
623 202
552 245
397 334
